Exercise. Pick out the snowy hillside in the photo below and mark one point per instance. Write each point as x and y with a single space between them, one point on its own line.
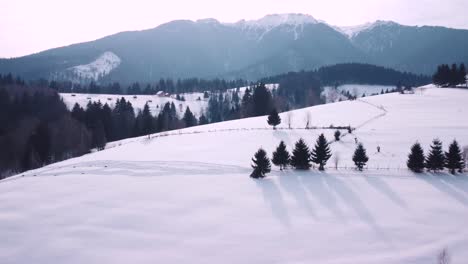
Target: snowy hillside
102 66
333 95
185 196
155 102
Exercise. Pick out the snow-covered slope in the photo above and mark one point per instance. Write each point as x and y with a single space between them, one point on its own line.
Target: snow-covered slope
352 31
102 66
185 196
333 95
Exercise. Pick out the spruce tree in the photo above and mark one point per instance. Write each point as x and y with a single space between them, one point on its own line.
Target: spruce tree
416 158
360 157
262 100
261 164
301 156
281 156
337 135
147 121
454 158
189 119
203 120
321 152
462 74
435 160
274 119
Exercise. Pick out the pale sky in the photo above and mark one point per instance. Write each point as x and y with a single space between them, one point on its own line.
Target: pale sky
29 26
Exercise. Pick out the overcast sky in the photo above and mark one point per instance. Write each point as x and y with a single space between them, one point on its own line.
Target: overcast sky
29 26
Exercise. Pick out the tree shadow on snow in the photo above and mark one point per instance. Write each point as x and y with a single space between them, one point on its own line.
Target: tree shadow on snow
291 184
443 183
318 188
384 188
352 200
274 198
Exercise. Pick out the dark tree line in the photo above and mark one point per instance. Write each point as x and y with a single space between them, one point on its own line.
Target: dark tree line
36 128
449 76
301 89
256 100
108 124
167 85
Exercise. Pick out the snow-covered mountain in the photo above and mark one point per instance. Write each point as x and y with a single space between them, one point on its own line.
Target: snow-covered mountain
102 66
250 49
352 31
289 22
186 196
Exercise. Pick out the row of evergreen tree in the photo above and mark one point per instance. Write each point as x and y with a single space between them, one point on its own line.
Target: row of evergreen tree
302 157
36 128
167 85
256 100
436 160
449 76
108 124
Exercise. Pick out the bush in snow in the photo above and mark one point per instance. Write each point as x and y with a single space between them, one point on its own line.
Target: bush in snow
435 160
274 119
261 164
454 158
360 157
301 156
321 152
281 156
416 158
337 135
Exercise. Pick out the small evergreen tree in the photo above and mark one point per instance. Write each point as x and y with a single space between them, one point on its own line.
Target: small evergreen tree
274 119
189 119
203 120
416 158
337 135
321 152
261 164
454 158
360 157
435 160
281 156
147 121
301 156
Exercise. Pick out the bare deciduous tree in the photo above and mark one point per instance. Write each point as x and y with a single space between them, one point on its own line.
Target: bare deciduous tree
308 118
443 257
336 159
289 119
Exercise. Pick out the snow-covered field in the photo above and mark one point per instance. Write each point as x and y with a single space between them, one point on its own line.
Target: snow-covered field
185 196
155 102
334 95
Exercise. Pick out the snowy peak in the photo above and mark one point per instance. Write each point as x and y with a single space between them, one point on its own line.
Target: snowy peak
291 23
275 20
102 66
208 21
352 31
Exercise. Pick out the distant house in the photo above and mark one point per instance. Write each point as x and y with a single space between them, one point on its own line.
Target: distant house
162 94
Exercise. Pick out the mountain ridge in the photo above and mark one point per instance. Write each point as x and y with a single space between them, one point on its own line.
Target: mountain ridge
250 49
